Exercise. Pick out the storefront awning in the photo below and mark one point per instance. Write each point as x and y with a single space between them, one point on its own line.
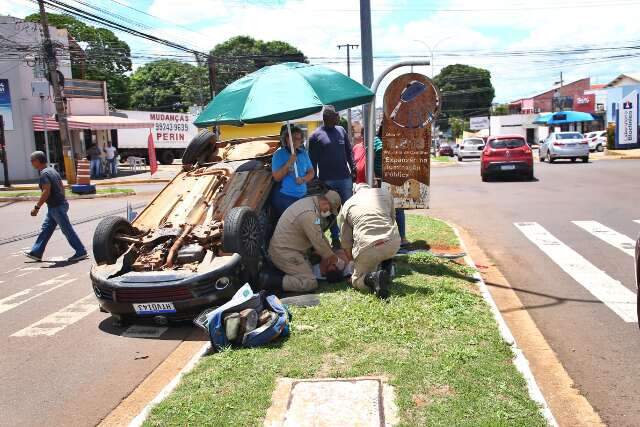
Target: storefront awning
90 122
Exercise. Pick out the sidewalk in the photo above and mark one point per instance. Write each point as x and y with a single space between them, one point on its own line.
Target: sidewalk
165 173
632 154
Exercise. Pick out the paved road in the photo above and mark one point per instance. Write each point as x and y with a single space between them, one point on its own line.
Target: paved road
575 278
61 360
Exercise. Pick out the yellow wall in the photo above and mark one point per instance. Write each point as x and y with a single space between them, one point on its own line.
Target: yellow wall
260 129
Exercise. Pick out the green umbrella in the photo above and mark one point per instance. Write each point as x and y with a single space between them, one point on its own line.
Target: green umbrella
282 92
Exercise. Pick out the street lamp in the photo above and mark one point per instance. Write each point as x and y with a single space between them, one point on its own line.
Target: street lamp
431 50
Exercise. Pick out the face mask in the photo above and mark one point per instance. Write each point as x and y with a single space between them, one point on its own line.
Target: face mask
326 214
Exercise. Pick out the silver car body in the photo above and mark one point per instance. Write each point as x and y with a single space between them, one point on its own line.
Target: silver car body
470 147
597 140
564 145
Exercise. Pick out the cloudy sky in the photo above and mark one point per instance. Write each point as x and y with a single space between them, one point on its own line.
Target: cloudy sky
524 44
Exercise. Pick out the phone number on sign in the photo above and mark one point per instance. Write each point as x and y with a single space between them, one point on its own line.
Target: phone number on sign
172 127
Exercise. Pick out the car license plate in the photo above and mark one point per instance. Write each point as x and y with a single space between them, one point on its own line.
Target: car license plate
154 308
507 167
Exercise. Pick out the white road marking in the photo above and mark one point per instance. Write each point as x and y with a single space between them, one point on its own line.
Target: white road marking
59 320
637 220
19 298
24 274
612 237
12 270
602 286
143 331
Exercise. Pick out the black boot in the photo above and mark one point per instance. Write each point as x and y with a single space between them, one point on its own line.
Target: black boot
271 282
378 281
387 265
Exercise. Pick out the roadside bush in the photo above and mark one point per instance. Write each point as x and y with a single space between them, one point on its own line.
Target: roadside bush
611 136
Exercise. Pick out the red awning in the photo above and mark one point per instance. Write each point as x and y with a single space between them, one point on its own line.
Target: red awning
90 122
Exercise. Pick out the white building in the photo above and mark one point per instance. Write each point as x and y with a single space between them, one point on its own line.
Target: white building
22 65
519 124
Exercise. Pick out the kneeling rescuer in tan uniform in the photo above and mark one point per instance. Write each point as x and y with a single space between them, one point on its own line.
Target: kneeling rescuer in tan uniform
370 237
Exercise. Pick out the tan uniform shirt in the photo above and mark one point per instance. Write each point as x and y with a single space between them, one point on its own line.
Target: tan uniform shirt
299 229
367 218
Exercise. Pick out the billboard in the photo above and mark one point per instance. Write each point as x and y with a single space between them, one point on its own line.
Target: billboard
478 123
411 105
170 130
585 103
628 119
5 104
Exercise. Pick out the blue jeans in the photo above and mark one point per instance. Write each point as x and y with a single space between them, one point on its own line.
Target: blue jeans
344 187
95 168
402 223
57 216
113 167
280 202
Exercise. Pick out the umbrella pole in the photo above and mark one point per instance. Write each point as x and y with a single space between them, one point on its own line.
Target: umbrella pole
295 164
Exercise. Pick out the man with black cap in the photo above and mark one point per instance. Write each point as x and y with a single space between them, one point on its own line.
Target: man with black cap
332 159
299 229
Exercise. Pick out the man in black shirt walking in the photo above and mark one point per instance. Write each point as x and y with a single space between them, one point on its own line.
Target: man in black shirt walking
57 207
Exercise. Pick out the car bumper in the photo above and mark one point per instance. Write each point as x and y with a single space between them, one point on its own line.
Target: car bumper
476 153
507 167
190 293
566 153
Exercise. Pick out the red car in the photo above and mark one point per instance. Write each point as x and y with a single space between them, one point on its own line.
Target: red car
506 154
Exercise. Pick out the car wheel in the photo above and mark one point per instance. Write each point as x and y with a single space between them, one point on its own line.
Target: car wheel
242 232
549 158
599 148
530 176
573 160
198 146
485 178
106 248
459 158
167 157
585 159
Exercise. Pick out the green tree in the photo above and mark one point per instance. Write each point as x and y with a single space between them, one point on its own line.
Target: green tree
500 110
465 90
242 55
457 126
168 85
105 57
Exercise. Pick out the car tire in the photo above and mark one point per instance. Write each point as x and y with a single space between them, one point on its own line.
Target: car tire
459 158
573 160
529 176
485 178
106 250
599 148
242 232
167 157
549 158
540 157
585 159
198 146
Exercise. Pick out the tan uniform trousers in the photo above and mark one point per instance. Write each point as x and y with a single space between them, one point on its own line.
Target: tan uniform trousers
299 276
369 258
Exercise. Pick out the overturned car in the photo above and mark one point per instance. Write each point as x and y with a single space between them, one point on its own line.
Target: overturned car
198 241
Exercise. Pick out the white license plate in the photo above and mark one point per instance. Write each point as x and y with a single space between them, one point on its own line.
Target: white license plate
507 167
154 308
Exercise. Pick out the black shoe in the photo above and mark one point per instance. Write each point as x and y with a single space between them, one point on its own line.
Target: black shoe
387 265
335 244
32 256
78 257
378 281
271 282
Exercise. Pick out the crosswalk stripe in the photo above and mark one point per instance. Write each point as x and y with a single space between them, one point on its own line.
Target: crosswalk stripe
19 298
612 237
602 286
59 320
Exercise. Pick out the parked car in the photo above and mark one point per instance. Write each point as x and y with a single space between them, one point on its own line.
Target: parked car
470 147
564 145
445 150
198 241
597 140
506 154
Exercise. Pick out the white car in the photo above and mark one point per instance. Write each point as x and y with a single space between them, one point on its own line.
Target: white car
597 140
470 147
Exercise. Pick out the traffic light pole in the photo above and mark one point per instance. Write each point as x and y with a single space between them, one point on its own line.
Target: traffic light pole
61 111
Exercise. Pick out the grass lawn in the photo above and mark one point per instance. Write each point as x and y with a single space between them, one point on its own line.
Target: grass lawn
443 159
67 192
434 339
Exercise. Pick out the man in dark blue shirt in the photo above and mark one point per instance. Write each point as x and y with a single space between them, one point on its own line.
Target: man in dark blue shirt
332 159
57 207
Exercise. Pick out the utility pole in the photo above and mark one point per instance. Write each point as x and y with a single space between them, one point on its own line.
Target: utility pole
349 47
199 64
212 75
67 146
367 54
3 152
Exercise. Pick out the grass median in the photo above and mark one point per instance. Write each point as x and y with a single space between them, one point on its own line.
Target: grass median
434 339
67 192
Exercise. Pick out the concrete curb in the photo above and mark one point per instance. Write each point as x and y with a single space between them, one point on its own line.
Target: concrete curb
519 359
84 196
29 187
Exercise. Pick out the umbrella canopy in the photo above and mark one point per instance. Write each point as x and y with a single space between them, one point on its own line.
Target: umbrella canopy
282 92
563 117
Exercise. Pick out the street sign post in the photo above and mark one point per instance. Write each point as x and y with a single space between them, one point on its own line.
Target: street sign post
411 104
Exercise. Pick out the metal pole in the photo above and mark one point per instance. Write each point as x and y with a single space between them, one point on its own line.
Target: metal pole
367 54
3 146
372 116
67 146
349 46
44 124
